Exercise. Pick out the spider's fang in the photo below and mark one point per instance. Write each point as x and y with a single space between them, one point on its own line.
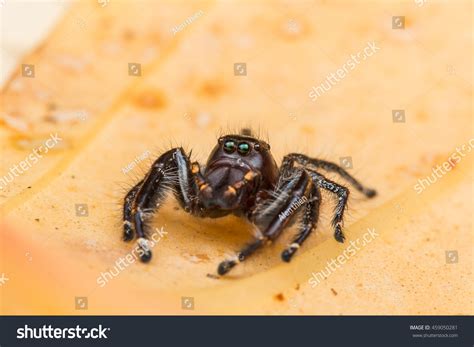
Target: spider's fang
230 191
195 168
204 186
250 175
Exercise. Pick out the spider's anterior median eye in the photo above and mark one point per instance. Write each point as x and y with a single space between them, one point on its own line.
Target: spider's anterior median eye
229 146
244 148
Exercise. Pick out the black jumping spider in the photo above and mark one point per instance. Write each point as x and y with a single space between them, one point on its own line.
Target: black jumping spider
242 178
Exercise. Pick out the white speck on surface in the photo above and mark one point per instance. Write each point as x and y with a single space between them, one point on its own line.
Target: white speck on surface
293 27
43 95
67 116
17 85
203 119
245 41
112 48
71 63
91 244
149 55
15 123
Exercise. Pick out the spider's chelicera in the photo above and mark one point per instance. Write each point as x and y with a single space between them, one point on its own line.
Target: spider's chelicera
242 178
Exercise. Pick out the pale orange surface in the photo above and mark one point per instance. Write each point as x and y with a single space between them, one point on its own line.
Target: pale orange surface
187 94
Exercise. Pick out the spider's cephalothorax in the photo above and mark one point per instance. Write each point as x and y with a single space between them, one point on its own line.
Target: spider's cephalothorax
240 177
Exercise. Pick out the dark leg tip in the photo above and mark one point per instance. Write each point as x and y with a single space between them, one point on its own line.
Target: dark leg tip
287 254
225 267
370 193
127 235
144 250
339 235
145 256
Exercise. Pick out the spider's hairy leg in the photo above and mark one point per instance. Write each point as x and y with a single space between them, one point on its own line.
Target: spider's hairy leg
308 223
171 171
272 223
127 212
342 197
306 161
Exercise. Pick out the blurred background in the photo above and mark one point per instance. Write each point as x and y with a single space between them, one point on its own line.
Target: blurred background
381 88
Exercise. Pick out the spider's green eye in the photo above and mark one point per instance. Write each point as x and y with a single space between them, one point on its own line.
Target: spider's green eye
229 146
244 148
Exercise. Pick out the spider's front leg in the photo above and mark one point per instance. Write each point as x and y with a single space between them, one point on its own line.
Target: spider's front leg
313 163
267 216
172 170
342 198
308 223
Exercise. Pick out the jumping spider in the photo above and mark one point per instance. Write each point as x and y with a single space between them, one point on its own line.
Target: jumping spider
241 178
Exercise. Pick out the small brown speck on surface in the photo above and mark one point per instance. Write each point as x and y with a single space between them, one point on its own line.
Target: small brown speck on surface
279 297
297 286
214 277
37 219
203 257
333 291
211 89
422 116
128 35
51 106
307 129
